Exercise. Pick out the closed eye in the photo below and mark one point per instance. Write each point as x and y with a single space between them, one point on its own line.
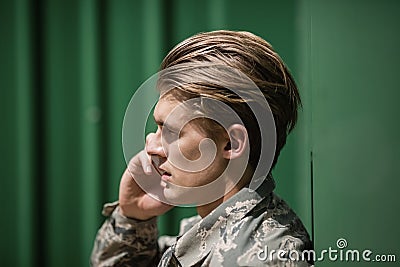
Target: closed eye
169 135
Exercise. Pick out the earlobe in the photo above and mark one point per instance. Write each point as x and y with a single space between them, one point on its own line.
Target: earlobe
238 142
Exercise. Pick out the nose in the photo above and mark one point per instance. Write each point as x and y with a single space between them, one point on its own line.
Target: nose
154 144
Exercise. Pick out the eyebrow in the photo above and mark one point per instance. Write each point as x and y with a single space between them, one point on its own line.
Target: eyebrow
158 122
163 124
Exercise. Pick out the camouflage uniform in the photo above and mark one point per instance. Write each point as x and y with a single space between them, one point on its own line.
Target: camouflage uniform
239 232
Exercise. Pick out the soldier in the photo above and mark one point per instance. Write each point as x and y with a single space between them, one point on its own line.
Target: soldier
212 148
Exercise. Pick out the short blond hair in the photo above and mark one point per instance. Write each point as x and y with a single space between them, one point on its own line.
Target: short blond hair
254 57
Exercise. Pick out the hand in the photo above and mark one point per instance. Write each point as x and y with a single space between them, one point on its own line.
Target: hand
133 201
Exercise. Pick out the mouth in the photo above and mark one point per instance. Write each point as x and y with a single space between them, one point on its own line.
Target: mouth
165 175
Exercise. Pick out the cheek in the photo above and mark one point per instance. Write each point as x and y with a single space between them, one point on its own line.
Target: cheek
219 165
189 148
182 156
184 177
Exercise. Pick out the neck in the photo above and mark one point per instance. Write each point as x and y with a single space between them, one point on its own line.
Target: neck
204 210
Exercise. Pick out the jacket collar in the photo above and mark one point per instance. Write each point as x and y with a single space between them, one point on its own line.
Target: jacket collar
206 233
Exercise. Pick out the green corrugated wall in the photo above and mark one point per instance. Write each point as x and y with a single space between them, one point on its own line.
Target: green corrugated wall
69 68
355 125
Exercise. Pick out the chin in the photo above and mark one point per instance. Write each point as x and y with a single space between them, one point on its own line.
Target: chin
176 195
179 196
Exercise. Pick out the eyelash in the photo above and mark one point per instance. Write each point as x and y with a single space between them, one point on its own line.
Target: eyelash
171 131
167 129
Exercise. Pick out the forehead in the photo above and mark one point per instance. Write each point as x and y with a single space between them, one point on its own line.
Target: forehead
179 115
168 108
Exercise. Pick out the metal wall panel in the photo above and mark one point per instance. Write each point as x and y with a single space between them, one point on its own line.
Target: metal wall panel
355 127
68 70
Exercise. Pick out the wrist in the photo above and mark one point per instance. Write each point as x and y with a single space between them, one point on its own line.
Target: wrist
133 230
133 215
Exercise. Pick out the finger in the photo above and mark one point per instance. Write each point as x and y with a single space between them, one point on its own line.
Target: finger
145 160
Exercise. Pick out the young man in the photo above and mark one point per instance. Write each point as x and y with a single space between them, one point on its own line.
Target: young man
214 146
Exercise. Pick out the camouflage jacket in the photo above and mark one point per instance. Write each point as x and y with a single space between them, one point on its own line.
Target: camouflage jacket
252 228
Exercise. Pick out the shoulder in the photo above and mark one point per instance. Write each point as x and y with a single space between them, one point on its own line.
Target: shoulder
277 214
270 226
279 233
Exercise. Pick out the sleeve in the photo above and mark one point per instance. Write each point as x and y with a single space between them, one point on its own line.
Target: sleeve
123 241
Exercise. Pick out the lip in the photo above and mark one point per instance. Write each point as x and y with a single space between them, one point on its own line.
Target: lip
165 177
164 173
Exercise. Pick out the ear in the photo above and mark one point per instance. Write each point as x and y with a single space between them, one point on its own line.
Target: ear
238 142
